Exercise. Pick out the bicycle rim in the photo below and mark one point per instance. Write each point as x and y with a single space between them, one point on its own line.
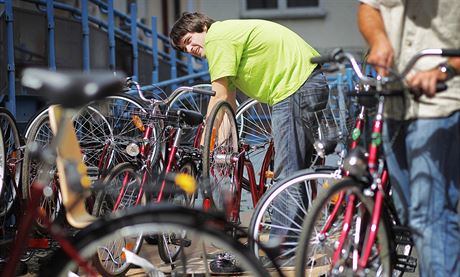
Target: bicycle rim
205 239
272 225
319 243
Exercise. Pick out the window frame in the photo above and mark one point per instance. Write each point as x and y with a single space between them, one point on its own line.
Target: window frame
283 12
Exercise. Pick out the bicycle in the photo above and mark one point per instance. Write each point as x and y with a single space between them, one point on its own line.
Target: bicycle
159 153
352 227
79 89
282 232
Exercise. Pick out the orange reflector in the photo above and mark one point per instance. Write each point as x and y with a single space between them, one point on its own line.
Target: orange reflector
269 174
129 246
335 197
213 139
137 121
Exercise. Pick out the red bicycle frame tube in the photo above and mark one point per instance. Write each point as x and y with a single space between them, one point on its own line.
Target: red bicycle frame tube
345 228
379 199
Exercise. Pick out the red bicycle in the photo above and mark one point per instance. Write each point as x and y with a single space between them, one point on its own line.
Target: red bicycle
352 227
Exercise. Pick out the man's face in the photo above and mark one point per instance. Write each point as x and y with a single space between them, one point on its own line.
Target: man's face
193 43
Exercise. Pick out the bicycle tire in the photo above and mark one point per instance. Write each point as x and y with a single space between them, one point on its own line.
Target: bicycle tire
254 128
5 195
221 140
12 141
11 160
263 226
314 221
151 219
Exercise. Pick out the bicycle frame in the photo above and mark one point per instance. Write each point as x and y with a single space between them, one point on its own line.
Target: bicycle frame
146 151
241 162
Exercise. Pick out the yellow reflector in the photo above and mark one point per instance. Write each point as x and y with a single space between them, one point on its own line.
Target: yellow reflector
85 182
186 182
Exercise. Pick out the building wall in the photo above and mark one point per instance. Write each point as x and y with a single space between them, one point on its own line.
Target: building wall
337 29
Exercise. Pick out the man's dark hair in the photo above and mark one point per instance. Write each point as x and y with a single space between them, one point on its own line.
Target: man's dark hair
188 23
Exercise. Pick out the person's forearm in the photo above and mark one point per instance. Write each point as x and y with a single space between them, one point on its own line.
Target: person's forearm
220 86
373 29
371 24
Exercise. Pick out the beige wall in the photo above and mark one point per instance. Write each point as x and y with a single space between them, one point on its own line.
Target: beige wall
337 28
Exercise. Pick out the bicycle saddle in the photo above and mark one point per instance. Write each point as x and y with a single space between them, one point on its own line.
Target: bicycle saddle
191 118
72 89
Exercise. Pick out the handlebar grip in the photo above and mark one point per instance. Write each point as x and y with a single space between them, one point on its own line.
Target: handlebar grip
322 59
441 86
204 91
335 56
450 52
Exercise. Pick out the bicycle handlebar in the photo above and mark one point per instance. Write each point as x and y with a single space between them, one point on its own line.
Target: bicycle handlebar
339 56
173 95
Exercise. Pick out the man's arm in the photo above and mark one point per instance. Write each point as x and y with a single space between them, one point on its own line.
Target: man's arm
221 87
372 28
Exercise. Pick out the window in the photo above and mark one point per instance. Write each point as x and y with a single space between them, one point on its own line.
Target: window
282 8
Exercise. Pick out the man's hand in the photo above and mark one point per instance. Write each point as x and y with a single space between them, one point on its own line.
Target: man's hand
425 81
381 54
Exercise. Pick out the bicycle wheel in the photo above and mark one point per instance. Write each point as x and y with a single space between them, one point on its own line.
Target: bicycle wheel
6 194
92 131
254 128
320 236
11 160
220 144
41 134
205 238
278 216
12 142
122 112
122 190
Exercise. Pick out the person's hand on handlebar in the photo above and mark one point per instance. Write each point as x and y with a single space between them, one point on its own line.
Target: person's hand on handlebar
425 81
381 54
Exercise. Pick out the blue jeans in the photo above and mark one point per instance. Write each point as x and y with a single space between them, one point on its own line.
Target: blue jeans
423 158
293 138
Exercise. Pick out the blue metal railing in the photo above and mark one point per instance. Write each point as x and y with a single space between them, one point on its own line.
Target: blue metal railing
195 68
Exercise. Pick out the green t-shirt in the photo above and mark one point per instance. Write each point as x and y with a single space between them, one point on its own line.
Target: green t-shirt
265 60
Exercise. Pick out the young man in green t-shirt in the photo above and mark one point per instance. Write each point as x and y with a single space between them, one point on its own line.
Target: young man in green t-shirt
270 63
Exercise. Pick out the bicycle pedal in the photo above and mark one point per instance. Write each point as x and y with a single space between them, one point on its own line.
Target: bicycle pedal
181 242
403 240
406 263
402 236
